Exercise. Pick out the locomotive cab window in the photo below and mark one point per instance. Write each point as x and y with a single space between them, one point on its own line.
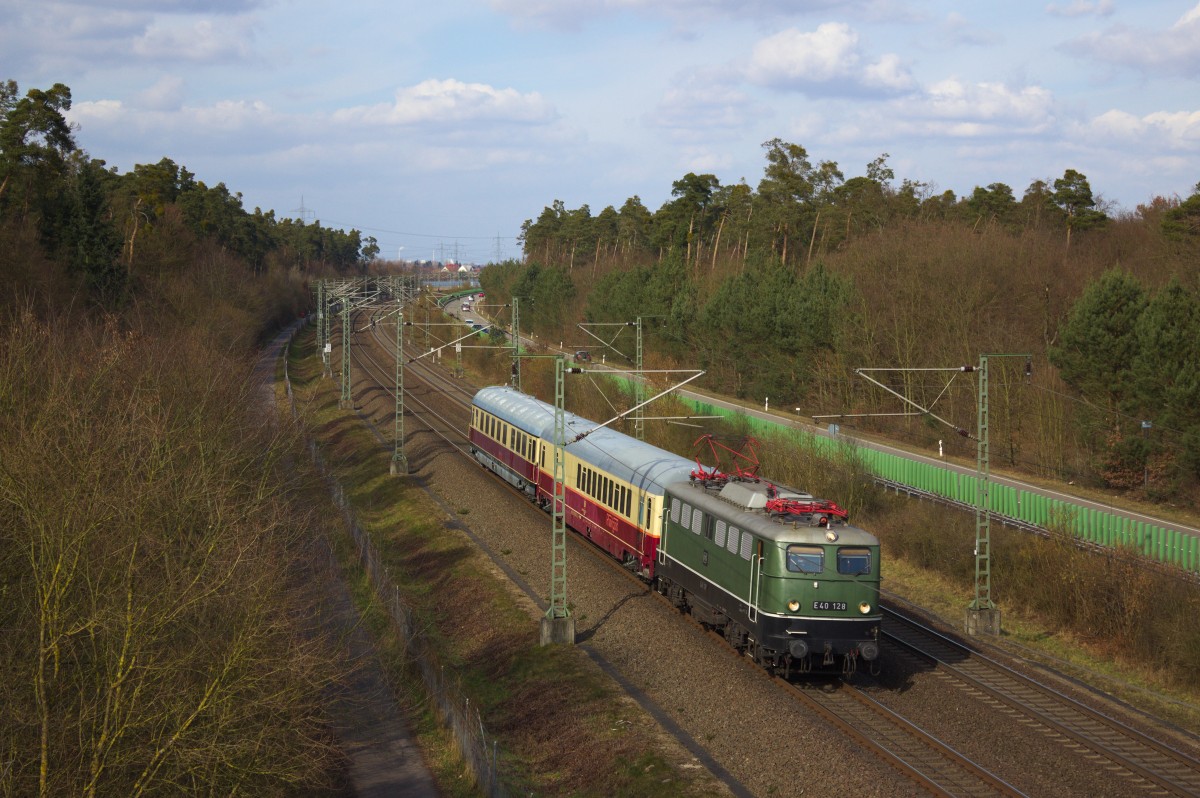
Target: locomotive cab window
805 559
854 562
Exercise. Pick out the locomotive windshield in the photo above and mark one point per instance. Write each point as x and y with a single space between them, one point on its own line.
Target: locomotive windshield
854 562
805 559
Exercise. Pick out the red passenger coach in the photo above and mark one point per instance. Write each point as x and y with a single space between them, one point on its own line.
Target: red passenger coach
613 483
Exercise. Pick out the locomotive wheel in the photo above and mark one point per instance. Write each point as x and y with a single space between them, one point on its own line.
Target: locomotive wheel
735 636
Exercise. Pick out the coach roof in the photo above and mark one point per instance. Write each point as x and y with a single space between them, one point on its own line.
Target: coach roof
625 458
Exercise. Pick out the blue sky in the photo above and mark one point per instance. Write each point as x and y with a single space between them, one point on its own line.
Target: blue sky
440 126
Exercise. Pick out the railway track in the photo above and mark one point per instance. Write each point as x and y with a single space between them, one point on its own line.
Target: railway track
917 755
1148 764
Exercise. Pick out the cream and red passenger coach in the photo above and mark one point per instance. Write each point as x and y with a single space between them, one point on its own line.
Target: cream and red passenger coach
613 483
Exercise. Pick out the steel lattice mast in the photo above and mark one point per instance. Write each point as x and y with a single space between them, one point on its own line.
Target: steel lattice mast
516 344
345 400
558 626
639 389
399 460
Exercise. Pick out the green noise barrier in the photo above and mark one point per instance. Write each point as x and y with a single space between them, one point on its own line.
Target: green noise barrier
1094 525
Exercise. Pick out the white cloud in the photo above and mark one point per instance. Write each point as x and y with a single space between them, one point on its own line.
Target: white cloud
201 40
100 111
702 105
452 102
1175 130
571 13
1174 50
165 95
953 99
888 73
1080 8
824 60
957 29
188 122
794 56
958 110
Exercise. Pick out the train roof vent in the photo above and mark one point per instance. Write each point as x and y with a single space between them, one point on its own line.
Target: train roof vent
747 495
755 495
785 493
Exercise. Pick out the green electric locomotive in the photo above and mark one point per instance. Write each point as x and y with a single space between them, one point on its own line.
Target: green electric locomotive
779 573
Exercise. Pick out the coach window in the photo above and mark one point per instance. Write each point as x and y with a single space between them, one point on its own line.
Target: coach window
805 559
854 562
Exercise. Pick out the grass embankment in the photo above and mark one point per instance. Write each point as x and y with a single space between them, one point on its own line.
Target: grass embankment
563 726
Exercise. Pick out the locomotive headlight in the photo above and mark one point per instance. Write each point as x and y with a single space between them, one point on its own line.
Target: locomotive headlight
793 606
864 607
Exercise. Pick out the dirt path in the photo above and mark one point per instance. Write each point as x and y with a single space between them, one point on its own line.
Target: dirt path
374 733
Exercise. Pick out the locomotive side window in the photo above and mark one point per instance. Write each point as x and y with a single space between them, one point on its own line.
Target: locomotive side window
806 559
854 562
